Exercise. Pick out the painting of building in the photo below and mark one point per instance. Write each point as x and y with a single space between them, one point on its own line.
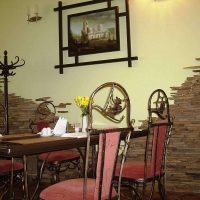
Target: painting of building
96 32
93 32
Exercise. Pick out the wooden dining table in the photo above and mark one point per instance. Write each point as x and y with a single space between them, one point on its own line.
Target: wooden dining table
23 145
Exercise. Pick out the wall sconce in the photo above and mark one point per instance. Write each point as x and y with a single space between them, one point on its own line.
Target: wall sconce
33 14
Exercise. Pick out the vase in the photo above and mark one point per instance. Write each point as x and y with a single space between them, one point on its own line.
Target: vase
84 123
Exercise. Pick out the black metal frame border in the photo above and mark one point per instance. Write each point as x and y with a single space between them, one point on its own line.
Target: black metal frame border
60 9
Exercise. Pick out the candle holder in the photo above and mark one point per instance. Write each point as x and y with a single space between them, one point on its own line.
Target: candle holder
6 70
34 18
33 14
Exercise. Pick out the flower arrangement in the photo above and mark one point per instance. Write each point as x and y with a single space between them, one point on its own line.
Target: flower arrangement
82 103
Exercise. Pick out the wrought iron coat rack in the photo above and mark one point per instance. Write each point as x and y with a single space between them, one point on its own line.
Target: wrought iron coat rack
6 70
77 62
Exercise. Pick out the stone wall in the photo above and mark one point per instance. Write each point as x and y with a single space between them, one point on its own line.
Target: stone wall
183 162
20 111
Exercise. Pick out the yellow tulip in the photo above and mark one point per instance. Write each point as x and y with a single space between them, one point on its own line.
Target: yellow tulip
83 103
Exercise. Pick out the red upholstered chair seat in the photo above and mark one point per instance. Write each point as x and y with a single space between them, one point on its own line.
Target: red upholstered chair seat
135 170
59 156
71 190
6 166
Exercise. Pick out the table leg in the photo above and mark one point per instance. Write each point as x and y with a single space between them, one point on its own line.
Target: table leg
26 192
11 179
94 160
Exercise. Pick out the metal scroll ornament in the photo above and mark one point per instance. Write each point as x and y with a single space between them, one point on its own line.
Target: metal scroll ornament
113 107
159 105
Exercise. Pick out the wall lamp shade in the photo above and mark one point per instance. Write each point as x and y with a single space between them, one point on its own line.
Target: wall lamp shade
33 13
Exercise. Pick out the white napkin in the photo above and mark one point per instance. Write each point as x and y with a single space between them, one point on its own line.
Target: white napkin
75 135
46 132
60 127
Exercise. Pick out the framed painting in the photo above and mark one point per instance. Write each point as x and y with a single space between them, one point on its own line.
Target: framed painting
95 31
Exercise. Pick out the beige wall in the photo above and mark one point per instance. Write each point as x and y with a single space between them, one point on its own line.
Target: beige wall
165 37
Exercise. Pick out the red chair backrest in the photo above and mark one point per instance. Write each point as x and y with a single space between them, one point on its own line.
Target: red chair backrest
158 147
108 163
41 125
160 121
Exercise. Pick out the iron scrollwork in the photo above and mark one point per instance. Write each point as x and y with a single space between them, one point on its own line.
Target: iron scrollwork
46 112
159 104
114 105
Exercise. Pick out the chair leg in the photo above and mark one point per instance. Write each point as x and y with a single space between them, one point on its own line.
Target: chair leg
75 164
143 190
3 187
140 194
161 188
135 192
56 167
39 164
55 170
80 172
152 190
40 170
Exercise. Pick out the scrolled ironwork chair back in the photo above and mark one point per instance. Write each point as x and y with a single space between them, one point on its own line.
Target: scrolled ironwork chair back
158 107
116 101
45 114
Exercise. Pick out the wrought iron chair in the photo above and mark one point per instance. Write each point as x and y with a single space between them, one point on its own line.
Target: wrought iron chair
10 170
56 161
137 174
115 109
